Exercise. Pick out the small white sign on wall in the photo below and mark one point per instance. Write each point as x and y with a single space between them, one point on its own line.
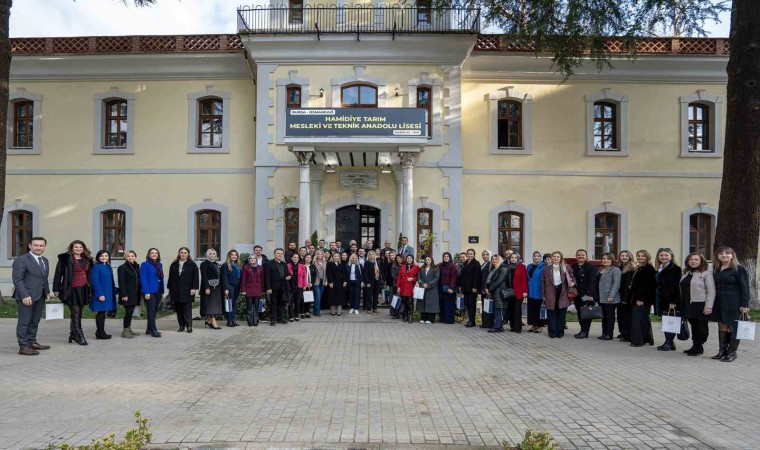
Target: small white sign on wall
357 179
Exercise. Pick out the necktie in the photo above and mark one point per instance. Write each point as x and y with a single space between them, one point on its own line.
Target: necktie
41 263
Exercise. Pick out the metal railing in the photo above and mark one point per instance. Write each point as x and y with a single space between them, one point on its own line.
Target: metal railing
356 19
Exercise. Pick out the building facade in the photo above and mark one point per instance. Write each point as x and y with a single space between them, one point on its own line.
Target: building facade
168 141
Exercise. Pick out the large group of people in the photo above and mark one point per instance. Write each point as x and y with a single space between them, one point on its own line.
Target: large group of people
298 282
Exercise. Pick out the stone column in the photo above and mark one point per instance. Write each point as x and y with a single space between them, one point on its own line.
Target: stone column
305 158
399 179
408 160
316 199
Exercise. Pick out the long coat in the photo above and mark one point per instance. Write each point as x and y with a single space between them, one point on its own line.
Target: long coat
64 275
535 280
470 277
431 303
181 285
550 293
252 280
213 303
129 284
668 290
643 286
405 287
519 277
335 295
103 285
609 286
495 281
731 293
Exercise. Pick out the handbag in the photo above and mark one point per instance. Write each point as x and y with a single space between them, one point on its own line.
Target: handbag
590 312
684 334
572 291
53 311
419 293
671 324
745 329
543 314
308 296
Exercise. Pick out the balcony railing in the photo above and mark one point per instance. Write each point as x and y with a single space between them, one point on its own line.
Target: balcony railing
357 19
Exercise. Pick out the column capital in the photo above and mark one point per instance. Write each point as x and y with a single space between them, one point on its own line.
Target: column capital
305 158
409 159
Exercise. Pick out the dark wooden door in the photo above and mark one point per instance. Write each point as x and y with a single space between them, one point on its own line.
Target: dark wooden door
359 224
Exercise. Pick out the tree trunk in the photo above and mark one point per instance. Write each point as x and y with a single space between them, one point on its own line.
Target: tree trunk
739 208
5 68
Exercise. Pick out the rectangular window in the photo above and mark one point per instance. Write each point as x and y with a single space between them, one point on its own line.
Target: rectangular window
210 123
116 124
424 229
294 97
606 234
510 124
700 234
23 124
291 226
424 101
208 232
605 126
699 128
21 232
510 229
114 232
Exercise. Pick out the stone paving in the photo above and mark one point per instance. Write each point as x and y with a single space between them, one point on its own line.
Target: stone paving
370 382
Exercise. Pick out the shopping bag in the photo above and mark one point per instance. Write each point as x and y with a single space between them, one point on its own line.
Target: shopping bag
308 296
488 306
744 328
227 305
460 302
671 324
591 312
419 293
53 311
543 314
262 304
395 302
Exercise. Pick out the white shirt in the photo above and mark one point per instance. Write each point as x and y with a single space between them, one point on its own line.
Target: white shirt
353 272
557 275
40 262
259 260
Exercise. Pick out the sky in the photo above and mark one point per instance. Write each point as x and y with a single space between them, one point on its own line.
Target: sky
48 18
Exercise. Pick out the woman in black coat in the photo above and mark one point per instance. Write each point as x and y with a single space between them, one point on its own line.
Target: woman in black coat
129 291
183 284
627 264
642 291
212 301
731 300
336 285
668 292
72 284
470 285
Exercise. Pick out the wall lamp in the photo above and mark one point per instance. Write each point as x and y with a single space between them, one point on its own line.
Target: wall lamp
321 94
330 168
400 95
386 169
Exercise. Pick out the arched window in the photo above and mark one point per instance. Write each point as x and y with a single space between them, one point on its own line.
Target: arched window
424 229
21 231
208 232
210 123
700 234
606 234
294 96
23 124
605 126
114 232
359 96
291 226
424 101
511 232
699 127
423 11
510 124
116 123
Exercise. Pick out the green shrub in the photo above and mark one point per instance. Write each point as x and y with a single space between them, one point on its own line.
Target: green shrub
534 441
135 439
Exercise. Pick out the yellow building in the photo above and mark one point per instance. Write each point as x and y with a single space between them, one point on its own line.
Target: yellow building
168 141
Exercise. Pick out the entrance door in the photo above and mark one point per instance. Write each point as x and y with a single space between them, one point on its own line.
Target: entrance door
359 224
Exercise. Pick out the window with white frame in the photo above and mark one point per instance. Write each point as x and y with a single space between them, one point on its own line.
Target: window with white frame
114 122
24 117
606 124
701 125
21 221
510 119
209 117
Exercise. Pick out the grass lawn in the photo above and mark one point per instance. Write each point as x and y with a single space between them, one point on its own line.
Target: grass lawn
8 310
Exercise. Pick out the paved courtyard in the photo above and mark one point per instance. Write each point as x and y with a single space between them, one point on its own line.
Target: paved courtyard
370 382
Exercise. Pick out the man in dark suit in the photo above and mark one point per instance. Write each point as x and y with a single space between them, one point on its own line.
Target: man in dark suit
275 272
31 289
405 248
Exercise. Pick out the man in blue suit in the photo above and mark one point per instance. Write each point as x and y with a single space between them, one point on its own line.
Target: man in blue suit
30 280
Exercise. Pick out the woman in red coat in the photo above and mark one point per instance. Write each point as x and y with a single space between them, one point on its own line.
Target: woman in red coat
407 278
518 274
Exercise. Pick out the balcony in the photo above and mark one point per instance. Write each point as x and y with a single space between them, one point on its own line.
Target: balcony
391 19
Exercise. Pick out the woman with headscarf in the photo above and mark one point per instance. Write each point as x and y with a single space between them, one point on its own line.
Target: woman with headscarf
535 273
212 303
448 275
428 278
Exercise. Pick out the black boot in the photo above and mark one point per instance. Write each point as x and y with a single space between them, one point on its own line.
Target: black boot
78 328
72 329
723 339
667 346
695 350
731 354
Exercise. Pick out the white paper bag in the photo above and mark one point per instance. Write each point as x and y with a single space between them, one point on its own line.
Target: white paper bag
671 324
395 302
488 306
262 305
460 302
53 311
419 293
308 296
745 330
227 305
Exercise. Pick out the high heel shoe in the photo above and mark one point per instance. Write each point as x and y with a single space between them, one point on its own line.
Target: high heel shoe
206 324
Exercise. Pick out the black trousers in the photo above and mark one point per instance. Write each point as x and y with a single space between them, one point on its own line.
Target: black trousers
295 306
534 313
129 310
276 312
608 319
184 314
100 322
514 313
371 291
700 331
585 324
641 326
28 322
152 307
471 303
624 319
252 305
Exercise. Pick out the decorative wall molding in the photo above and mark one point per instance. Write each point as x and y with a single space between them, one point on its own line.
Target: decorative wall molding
21 94
526 117
606 207
434 83
686 226
511 205
99 119
5 230
715 132
282 107
357 77
193 99
223 210
97 225
621 101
